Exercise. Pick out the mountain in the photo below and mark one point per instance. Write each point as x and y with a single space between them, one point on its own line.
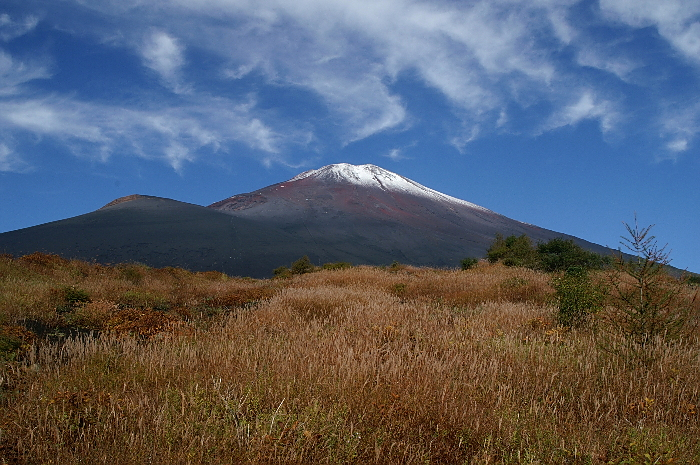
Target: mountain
356 209
359 214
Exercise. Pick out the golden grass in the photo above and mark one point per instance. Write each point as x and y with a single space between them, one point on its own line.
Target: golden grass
363 365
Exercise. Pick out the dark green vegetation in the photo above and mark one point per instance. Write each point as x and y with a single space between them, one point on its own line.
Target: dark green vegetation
304 265
555 255
469 263
578 297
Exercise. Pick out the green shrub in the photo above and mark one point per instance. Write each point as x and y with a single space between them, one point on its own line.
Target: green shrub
302 266
282 272
562 254
469 262
132 274
70 298
513 251
74 296
399 289
337 266
9 347
556 255
143 299
577 297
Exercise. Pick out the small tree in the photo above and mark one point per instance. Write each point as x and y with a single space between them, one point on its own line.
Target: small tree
647 303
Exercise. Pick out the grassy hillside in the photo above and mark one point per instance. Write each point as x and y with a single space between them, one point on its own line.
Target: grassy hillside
130 364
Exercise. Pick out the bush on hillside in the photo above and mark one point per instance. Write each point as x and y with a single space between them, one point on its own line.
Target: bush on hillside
70 298
556 255
562 254
301 266
468 263
577 297
513 251
337 266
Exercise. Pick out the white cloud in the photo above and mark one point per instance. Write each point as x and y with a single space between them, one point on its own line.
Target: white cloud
679 126
165 55
349 53
13 74
678 145
10 29
588 106
688 40
493 61
10 161
467 135
395 154
176 135
594 57
364 103
677 20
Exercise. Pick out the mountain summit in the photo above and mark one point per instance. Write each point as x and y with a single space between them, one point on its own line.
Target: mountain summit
360 214
372 176
366 214
369 177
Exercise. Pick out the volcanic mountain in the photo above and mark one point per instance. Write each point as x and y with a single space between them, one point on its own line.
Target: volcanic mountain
359 214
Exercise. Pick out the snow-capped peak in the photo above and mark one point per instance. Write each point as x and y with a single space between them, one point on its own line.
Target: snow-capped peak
376 177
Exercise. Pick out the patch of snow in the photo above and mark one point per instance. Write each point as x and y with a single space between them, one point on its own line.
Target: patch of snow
376 177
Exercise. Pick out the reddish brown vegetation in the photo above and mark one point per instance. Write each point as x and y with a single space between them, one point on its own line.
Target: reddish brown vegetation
363 365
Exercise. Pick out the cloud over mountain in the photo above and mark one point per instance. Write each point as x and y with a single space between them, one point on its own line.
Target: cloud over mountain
498 65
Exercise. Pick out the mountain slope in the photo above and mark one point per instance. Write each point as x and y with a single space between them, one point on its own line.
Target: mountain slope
371 205
359 214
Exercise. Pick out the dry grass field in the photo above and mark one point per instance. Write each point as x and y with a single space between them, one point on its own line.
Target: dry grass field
128 364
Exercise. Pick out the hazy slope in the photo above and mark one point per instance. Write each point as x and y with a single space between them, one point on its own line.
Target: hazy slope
158 232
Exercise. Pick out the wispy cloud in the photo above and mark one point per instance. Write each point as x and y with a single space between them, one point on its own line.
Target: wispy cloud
10 29
679 127
396 154
499 65
10 161
165 55
14 73
676 20
176 135
587 106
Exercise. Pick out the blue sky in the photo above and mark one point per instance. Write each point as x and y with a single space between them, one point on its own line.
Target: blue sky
571 115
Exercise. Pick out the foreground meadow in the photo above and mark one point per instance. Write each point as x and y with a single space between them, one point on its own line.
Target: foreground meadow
129 364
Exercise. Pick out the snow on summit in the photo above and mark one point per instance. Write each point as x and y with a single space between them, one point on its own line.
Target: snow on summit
375 177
